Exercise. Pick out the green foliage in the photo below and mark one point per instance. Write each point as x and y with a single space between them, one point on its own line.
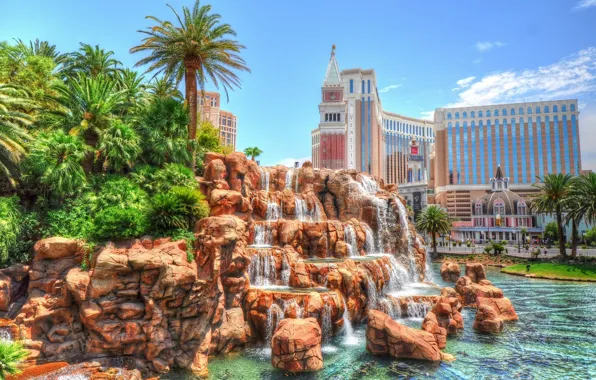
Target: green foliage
173 175
591 235
488 248
178 208
55 161
10 226
12 354
189 237
551 231
253 152
119 223
434 221
123 193
73 220
119 146
20 252
91 61
143 175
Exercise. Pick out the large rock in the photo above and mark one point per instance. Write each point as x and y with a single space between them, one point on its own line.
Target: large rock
502 306
487 320
476 272
13 284
384 336
470 291
450 271
444 319
296 346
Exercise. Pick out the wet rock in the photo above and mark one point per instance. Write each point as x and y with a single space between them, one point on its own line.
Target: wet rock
13 284
296 346
476 272
450 271
487 320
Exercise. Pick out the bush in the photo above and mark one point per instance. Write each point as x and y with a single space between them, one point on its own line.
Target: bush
12 354
10 226
119 223
179 208
121 192
488 248
73 220
173 175
21 251
498 248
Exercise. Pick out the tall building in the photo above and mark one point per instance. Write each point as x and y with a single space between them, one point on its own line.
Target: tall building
225 121
354 131
528 140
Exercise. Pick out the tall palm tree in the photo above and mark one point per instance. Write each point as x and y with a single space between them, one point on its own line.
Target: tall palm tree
198 50
554 192
41 49
92 61
134 88
13 135
581 204
253 152
434 221
163 87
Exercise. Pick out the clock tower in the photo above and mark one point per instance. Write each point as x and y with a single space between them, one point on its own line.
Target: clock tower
329 139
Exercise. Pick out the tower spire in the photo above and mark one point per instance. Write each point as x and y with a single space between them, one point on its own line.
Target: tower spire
332 75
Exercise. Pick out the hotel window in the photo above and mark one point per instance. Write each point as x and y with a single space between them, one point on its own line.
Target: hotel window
363 86
457 115
201 101
572 107
213 102
351 86
487 113
529 110
496 112
537 109
521 110
545 109
465 115
555 108
479 113
369 86
564 108
522 209
449 116
478 208
499 205
504 113
472 114
512 112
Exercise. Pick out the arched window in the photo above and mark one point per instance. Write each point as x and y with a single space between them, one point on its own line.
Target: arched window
522 208
457 115
512 112
496 112
545 109
521 120
465 124
449 116
547 120
326 117
473 123
538 121
479 113
499 207
521 110
572 107
555 108
487 113
449 125
338 117
529 110
472 114
478 208
465 115
564 108
504 122
480 123
529 120
537 109
512 121
556 118
504 112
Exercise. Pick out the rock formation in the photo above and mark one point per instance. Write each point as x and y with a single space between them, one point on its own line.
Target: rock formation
487 320
444 319
296 345
450 271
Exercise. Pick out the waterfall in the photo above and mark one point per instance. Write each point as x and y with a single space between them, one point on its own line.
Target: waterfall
291 303
296 184
417 309
5 335
326 324
390 309
348 329
289 176
382 223
263 236
274 315
371 294
265 180
317 213
398 275
301 210
350 239
369 244
428 273
285 271
405 227
370 185
273 211
262 269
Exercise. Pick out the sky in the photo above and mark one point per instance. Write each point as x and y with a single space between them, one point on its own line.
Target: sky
426 54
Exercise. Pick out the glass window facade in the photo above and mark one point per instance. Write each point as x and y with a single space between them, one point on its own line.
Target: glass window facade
466 149
574 134
557 155
457 152
473 147
548 146
566 145
489 143
351 86
532 150
506 157
539 144
522 149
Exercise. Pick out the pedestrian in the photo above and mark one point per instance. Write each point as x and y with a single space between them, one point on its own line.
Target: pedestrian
527 267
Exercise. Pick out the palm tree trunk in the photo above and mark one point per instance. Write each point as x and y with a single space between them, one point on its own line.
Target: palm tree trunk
434 244
573 238
560 233
191 101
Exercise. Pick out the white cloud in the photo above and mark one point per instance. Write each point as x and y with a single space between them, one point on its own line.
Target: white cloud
463 83
390 87
571 76
583 4
483 46
427 115
477 61
289 162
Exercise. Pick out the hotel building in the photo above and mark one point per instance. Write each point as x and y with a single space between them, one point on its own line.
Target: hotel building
225 121
354 131
527 141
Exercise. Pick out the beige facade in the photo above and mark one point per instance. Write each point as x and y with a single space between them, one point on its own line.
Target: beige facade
225 121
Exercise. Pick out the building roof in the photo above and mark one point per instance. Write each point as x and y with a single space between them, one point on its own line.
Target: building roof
332 77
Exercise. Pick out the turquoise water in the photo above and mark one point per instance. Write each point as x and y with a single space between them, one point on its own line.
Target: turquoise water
555 338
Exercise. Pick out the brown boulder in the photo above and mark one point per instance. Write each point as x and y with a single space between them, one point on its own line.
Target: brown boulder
13 284
450 271
487 320
476 272
296 346
56 248
502 306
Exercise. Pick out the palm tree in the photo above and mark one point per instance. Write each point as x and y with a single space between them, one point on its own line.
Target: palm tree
13 135
40 49
163 87
253 152
11 355
119 146
434 221
134 88
198 49
92 61
554 192
581 204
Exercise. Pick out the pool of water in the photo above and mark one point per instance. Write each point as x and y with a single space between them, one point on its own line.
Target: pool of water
555 338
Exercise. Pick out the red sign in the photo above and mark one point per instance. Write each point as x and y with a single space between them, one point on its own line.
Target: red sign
414 150
332 96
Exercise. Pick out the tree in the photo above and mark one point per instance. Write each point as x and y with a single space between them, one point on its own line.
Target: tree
253 152
434 221
551 232
554 191
581 204
162 87
119 147
134 90
199 49
92 61
11 355
13 135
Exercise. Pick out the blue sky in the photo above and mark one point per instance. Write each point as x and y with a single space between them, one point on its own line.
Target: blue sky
426 54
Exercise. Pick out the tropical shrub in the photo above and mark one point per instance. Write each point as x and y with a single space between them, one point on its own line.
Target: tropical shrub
119 223
119 147
123 193
11 355
173 175
20 252
551 232
488 248
142 175
73 220
10 226
177 209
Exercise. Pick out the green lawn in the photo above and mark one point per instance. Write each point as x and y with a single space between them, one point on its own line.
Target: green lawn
556 271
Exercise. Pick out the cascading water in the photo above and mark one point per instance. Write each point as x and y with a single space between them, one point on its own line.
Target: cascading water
292 304
350 239
417 310
398 275
263 236
428 274
371 294
370 185
265 175
382 222
262 269
296 184
289 176
274 315
326 324
369 244
405 227
348 330
5 335
273 212
303 214
285 272
389 308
